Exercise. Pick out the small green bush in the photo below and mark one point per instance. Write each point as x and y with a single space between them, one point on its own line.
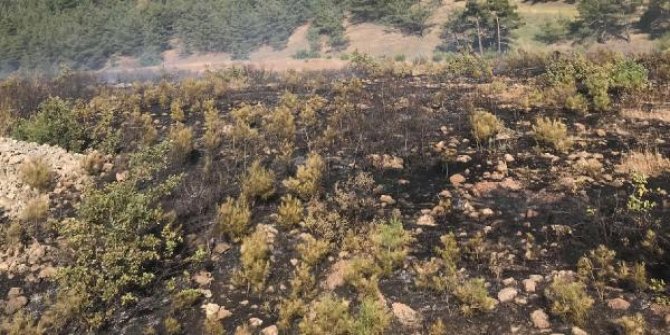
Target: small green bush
311 250
329 315
255 261
290 211
484 125
473 296
552 132
181 138
390 244
308 178
119 237
234 217
55 123
258 182
36 173
373 317
633 325
569 300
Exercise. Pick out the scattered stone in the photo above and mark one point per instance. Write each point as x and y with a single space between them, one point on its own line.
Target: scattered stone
457 179
47 272
426 220
486 213
15 300
540 319
406 315
529 285
463 159
335 276
507 294
509 158
601 132
387 162
203 278
387 200
271 330
618 304
509 281
578 331
221 248
216 312
255 322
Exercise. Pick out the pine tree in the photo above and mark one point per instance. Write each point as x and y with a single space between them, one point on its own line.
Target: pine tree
605 19
483 25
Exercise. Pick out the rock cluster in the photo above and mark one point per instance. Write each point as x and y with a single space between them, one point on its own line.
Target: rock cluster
14 194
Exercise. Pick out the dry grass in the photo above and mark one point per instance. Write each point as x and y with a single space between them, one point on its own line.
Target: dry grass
656 115
36 209
647 163
37 173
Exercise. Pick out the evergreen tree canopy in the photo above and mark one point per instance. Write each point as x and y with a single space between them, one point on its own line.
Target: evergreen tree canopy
482 25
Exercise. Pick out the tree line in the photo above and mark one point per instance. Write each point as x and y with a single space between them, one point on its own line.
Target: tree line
86 34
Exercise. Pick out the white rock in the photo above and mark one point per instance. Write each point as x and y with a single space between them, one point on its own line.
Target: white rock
507 294
540 319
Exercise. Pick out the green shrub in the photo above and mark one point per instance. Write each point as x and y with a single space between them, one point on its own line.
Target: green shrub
181 138
553 31
36 173
258 182
473 296
552 132
329 315
234 217
55 123
633 325
290 211
577 103
311 250
484 125
390 244
119 237
629 75
569 300
185 298
308 178
255 261
373 317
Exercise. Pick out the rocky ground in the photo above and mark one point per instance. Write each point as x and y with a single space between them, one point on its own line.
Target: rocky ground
519 214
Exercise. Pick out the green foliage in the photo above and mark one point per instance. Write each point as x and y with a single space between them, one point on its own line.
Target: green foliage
290 211
311 250
605 19
390 244
656 18
482 25
258 182
554 31
120 236
255 261
373 317
329 315
234 217
308 178
55 123
552 132
632 325
473 296
569 300
484 125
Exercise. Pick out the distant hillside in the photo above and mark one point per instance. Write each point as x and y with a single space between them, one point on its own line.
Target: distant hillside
45 35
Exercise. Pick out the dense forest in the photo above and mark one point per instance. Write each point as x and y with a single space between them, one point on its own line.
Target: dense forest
86 33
